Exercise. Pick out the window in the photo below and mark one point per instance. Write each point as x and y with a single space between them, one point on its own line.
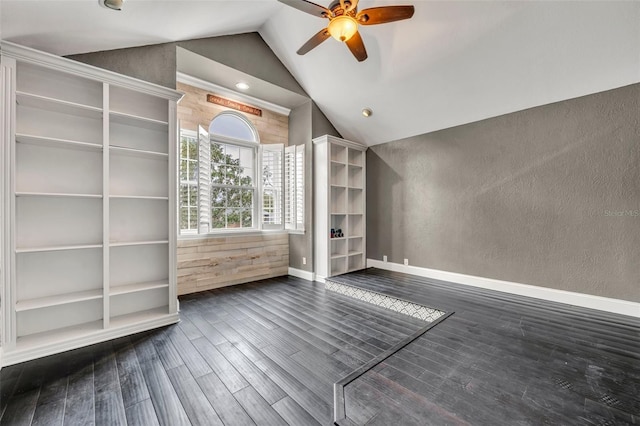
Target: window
229 182
233 189
188 181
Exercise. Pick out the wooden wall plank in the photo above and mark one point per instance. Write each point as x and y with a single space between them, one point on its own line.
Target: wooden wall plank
208 263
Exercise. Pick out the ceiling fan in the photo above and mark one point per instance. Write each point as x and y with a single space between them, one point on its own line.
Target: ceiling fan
344 19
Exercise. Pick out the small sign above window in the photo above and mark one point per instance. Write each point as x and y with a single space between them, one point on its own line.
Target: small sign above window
234 105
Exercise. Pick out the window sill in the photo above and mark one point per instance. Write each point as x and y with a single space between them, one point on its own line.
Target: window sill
226 234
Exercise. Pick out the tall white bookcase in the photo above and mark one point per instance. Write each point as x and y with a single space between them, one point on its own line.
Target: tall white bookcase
89 204
339 178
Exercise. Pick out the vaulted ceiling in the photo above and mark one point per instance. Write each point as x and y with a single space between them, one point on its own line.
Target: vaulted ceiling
453 63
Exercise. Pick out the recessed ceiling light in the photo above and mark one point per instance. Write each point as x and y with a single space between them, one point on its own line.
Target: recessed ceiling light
367 112
242 85
112 4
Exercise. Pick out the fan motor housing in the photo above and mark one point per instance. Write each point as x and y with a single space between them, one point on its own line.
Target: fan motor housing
337 9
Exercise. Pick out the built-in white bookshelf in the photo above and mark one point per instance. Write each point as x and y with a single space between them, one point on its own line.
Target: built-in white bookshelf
90 158
339 190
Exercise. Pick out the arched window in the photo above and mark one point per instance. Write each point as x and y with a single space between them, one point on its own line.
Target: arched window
230 124
234 145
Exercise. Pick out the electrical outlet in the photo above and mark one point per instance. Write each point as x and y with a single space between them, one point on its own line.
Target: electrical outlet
304 260
406 262
384 258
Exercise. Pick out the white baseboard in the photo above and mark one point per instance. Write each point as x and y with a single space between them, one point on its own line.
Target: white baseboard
617 306
305 275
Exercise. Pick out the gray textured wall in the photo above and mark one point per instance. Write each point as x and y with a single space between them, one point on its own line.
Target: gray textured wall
155 63
320 124
247 53
521 197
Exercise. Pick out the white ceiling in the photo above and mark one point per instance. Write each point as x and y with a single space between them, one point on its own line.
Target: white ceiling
453 63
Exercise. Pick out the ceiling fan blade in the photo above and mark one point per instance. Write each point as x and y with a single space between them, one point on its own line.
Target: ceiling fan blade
382 15
314 41
308 7
356 46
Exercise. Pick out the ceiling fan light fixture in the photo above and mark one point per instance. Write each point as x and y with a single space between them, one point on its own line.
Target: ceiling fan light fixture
112 4
343 27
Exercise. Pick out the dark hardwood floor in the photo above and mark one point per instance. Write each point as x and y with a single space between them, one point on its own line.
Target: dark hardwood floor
265 353
268 353
500 360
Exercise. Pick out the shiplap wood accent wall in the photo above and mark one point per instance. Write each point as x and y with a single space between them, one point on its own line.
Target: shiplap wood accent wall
207 263
194 110
204 264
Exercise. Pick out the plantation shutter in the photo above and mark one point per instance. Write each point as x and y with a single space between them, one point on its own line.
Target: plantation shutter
204 181
299 188
271 184
289 187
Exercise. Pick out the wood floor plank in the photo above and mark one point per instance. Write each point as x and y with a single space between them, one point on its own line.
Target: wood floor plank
263 320
189 354
258 409
207 330
8 380
393 416
80 401
365 401
228 332
249 351
227 407
252 374
219 364
109 406
21 408
167 405
293 413
144 347
318 408
318 384
51 402
142 414
196 405
350 359
319 362
187 327
255 336
132 384
168 354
